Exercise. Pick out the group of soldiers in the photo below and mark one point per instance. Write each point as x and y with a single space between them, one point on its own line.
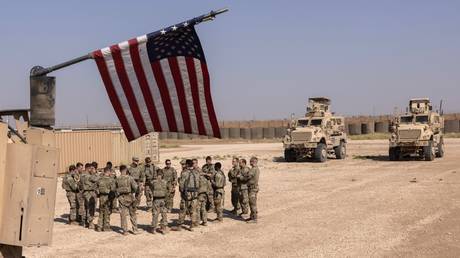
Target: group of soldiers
202 190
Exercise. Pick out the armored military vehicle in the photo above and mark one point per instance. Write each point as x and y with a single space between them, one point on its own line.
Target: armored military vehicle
419 132
316 135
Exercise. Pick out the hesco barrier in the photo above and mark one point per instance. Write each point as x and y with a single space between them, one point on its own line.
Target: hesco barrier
452 126
224 133
257 133
354 129
245 133
382 127
367 128
280 132
269 132
102 146
234 133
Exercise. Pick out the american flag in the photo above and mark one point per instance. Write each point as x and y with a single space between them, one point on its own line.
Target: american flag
159 82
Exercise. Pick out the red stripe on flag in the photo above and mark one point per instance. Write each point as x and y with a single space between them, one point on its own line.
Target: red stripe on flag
209 104
137 64
174 66
164 92
127 88
101 65
195 94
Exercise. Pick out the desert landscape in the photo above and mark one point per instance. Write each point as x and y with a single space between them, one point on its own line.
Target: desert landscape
362 206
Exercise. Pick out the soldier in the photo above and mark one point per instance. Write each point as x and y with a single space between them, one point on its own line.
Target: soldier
253 186
70 185
88 182
218 184
126 186
80 199
106 187
243 187
159 188
233 178
138 175
112 196
150 172
188 187
203 191
208 170
170 175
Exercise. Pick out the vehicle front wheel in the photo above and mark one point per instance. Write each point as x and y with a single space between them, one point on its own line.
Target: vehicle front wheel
440 152
394 153
429 152
289 155
341 151
321 152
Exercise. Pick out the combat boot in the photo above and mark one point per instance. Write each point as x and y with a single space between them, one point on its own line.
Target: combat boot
99 229
107 228
91 226
204 223
153 230
163 230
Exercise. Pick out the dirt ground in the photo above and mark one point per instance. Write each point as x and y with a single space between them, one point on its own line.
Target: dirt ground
359 207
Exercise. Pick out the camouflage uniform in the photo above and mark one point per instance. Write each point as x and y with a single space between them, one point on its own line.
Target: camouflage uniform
203 199
88 183
233 178
80 201
126 186
218 183
106 187
243 190
160 191
113 195
70 185
208 169
150 172
138 175
253 186
188 187
170 175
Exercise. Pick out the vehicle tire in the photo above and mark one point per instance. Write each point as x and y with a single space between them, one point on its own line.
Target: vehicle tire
440 152
341 151
394 154
321 152
289 155
429 152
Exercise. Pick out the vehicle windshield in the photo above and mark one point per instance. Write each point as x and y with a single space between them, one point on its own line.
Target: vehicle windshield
406 119
316 122
421 119
302 123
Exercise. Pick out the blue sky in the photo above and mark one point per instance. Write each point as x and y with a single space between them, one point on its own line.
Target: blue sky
265 57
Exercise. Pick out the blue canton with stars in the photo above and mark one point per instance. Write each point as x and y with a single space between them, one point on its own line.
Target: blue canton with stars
177 41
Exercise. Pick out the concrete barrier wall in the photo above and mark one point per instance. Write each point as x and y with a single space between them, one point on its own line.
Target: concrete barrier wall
451 126
382 127
354 129
271 129
368 127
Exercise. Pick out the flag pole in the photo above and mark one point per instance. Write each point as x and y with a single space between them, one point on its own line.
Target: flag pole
40 71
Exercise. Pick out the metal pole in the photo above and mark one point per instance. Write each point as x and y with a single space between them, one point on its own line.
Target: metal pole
39 71
17 134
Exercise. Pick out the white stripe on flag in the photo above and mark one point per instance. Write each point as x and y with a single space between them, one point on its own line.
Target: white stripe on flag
188 93
119 90
204 107
126 56
172 93
147 67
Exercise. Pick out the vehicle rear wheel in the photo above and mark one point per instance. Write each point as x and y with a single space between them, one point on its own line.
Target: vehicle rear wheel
429 152
394 153
321 152
440 152
289 155
341 151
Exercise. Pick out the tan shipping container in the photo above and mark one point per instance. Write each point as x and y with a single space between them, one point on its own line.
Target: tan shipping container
102 146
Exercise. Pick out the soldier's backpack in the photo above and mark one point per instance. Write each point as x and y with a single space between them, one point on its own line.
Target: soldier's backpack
65 183
105 185
191 183
123 185
203 185
159 188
